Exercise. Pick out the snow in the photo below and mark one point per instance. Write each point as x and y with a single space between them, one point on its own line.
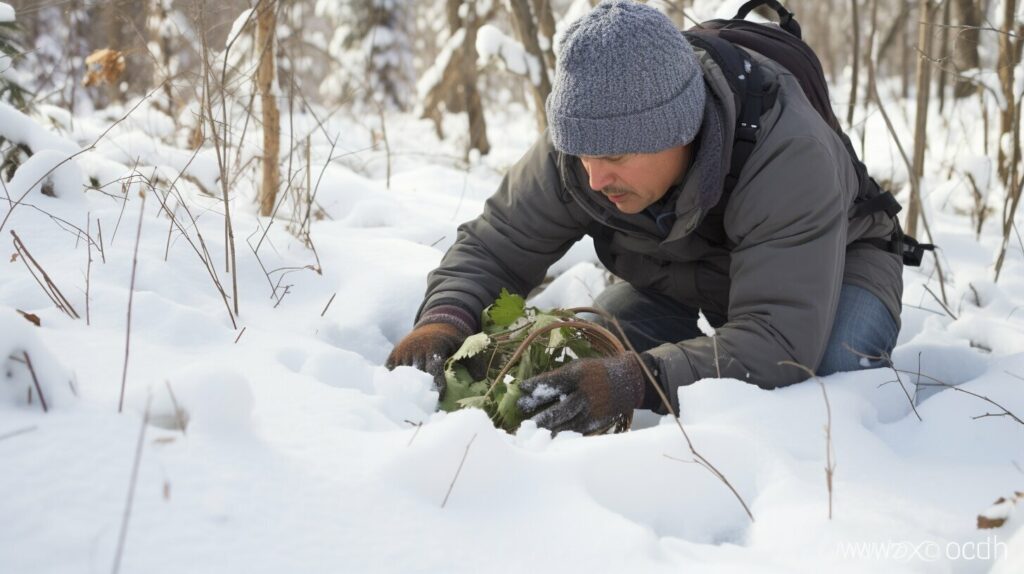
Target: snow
493 43
300 452
47 166
433 75
6 13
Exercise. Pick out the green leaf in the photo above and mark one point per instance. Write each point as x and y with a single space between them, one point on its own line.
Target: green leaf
542 320
474 402
507 309
509 417
581 348
459 385
473 345
557 340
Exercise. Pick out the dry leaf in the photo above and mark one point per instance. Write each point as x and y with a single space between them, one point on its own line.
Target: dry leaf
14 257
997 514
103 67
30 317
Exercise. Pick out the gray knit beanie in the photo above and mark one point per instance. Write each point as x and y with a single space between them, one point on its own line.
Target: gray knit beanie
627 81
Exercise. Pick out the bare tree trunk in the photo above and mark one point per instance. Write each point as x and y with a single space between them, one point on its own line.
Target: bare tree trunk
924 68
1006 62
156 22
895 31
856 62
906 60
943 56
965 45
546 26
112 22
474 105
266 25
540 85
869 58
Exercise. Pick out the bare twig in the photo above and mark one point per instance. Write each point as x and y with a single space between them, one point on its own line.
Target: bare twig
415 433
99 236
178 413
884 357
17 432
131 296
88 266
940 302
47 284
830 464
670 457
653 383
90 147
35 381
938 383
126 517
200 249
328 305
240 333
457 471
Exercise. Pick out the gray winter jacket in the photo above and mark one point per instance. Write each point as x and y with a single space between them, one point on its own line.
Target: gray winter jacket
771 257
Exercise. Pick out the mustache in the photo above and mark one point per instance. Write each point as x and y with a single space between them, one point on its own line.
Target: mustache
615 191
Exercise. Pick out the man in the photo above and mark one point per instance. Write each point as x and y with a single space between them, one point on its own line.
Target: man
641 127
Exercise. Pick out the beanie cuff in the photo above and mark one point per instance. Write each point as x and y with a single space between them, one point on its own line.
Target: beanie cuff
656 129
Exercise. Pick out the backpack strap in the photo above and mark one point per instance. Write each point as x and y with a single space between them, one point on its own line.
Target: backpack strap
910 250
747 84
883 201
786 21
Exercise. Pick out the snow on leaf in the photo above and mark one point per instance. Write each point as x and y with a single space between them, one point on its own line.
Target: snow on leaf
473 345
1000 511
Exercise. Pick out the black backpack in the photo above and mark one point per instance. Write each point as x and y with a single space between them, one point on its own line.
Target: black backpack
783 43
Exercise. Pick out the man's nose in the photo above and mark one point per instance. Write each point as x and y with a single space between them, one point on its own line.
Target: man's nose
600 175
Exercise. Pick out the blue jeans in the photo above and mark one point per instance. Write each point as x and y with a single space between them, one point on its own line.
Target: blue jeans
650 319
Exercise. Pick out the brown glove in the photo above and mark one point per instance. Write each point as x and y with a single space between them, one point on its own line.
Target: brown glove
588 394
438 334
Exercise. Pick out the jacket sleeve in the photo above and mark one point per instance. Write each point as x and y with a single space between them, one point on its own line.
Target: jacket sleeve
525 227
788 221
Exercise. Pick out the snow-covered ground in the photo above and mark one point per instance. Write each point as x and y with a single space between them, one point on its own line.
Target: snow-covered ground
301 453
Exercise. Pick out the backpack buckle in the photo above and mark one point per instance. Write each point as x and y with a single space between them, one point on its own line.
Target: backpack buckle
747 132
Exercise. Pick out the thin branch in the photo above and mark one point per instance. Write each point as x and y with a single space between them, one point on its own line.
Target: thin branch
16 432
126 517
940 302
458 471
35 381
668 404
131 296
884 357
419 426
178 412
331 300
88 148
830 464
47 284
938 383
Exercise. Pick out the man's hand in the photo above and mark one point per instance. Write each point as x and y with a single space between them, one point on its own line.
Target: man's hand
589 394
427 348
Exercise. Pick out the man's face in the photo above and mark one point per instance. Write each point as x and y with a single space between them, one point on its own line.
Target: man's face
635 181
